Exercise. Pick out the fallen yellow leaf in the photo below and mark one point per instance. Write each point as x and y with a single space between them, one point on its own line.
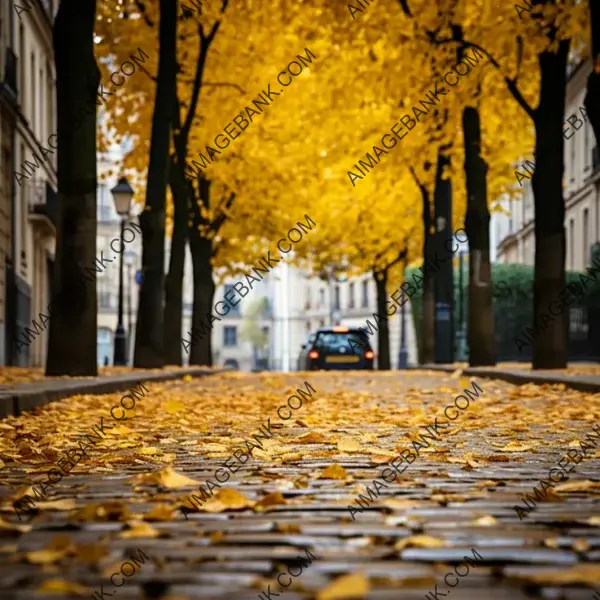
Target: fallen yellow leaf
64 504
272 499
516 447
167 478
584 485
349 445
8 526
174 406
160 512
139 529
487 521
345 587
419 541
45 557
333 472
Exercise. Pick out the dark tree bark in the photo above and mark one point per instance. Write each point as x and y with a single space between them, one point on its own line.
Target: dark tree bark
426 348
550 345
482 342
383 337
149 329
174 281
592 97
72 340
204 287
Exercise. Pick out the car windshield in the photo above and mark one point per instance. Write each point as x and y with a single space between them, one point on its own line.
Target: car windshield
333 341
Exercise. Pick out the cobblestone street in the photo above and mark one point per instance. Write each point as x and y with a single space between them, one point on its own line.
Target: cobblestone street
441 515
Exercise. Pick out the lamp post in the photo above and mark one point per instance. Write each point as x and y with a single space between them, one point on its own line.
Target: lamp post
122 195
129 261
403 353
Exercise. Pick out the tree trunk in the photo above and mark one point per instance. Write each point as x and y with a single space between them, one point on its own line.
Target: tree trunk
482 342
550 342
149 329
72 340
204 287
427 349
592 98
443 275
174 280
383 337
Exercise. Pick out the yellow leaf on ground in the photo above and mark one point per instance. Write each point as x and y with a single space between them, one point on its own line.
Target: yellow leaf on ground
312 438
8 526
419 541
399 504
64 504
272 499
61 586
45 557
139 529
584 485
333 472
345 587
174 406
226 499
487 521
292 457
160 512
168 478
148 451
516 447
349 445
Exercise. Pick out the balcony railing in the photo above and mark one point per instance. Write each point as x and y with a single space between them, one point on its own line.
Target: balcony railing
9 80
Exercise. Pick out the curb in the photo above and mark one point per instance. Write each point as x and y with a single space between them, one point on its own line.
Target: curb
580 383
28 396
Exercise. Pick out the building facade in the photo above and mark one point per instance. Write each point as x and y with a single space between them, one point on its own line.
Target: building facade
28 174
514 232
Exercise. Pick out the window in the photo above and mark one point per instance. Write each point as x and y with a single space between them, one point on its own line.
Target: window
50 104
351 295
33 94
365 294
230 335
308 298
586 146
23 89
23 214
335 341
572 170
571 243
336 298
235 310
321 297
586 237
105 210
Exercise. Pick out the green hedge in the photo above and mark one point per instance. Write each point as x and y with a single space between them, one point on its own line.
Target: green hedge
512 295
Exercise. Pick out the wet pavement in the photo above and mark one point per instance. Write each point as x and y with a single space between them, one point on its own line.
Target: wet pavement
447 519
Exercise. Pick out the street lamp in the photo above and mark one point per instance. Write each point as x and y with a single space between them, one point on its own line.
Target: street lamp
130 257
122 195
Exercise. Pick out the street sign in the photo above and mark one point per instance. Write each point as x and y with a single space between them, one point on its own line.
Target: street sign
138 277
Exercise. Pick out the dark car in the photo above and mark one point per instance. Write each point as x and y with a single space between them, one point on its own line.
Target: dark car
330 348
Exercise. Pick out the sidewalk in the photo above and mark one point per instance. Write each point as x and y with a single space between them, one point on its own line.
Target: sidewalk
26 396
521 376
